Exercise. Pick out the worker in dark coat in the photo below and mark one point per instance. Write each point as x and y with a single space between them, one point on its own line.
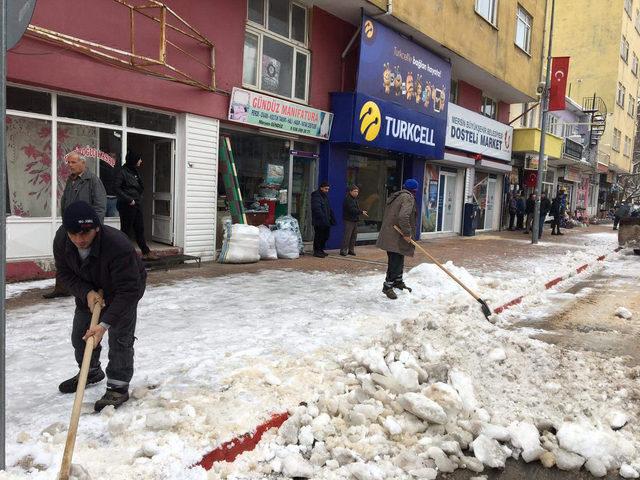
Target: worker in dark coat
128 187
91 257
322 219
351 212
400 211
83 185
545 208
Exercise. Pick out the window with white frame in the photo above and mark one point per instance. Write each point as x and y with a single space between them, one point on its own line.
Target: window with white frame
621 95
552 124
634 64
638 19
624 49
628 7
523 29
616 139
276 58
487 9
489 107
631 108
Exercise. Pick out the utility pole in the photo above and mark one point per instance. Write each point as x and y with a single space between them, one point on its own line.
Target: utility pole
3 231
543 133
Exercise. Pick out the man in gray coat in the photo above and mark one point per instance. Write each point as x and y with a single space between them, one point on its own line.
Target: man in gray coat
82 185
400 211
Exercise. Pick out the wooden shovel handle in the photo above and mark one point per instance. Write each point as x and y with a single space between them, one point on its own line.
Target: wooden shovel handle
65 467
419 247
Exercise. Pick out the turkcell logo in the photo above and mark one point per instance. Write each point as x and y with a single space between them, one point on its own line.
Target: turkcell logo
371 122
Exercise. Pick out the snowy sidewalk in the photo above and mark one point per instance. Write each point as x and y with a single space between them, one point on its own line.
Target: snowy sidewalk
215 356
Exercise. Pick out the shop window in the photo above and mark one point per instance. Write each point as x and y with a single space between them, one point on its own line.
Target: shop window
28 100
80 109
487 10
523 29
145 120
275 59
489 107
29 176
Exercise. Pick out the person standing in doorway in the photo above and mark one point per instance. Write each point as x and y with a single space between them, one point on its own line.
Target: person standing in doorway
529 209
351 212
82 185
521 208
400 211
129 187
322 219
513 208
556 210
545 208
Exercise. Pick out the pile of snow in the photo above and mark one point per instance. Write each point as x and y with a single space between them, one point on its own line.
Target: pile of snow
447 392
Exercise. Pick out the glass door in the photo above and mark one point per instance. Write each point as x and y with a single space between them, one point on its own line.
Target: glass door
162 213
491 202
449 201
303 177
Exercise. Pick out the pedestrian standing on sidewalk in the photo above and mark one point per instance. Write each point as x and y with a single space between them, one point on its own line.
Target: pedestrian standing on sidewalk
322 219
83 185
520 210
545 208
91 257
529 209
400 211
513 209
129 187
621 212
556 210
351 212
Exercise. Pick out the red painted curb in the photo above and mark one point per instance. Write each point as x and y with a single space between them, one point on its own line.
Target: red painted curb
552 283
228 451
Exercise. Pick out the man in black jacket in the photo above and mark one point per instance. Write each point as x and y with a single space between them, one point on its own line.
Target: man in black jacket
322 219
350 216
545 208
91 257
128 187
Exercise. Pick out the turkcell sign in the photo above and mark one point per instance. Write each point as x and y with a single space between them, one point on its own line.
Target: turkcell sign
391 126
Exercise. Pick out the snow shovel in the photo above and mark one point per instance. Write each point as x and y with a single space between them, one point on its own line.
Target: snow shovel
485 308
65 468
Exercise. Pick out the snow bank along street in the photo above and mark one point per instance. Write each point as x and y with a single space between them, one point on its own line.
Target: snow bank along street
403 389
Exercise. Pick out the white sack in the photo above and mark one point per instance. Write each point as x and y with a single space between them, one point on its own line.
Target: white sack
241 244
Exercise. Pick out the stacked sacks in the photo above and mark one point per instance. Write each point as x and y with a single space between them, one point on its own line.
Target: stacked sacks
241 244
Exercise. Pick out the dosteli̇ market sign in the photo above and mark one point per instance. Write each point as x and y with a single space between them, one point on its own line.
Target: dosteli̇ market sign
261 110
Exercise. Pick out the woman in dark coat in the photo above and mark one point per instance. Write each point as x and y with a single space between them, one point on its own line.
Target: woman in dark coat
351 212
128 187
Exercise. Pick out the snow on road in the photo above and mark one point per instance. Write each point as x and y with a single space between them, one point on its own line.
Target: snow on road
216 356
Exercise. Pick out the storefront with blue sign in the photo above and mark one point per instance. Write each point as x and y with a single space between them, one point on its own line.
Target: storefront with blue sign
387 129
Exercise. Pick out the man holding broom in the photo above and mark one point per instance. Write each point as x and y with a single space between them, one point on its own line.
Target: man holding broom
91 257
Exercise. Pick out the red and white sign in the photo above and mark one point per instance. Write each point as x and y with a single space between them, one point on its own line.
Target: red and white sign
559 76
95 153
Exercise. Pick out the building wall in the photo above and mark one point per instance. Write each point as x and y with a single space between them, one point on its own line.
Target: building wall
590 32
456 25
469 96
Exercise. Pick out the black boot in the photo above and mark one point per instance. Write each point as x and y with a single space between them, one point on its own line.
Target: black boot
388 291
351 252
113 396
343 253
399 284
71 385
318 254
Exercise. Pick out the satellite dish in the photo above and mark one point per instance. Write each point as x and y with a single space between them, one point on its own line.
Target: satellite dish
18 15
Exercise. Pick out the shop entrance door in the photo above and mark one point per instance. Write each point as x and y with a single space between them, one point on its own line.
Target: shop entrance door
491 203
162 210
446 201
303 168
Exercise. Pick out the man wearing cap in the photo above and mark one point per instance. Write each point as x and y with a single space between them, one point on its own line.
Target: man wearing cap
400 211
83 185
91 257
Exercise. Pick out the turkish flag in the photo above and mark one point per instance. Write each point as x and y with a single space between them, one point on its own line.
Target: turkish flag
559 75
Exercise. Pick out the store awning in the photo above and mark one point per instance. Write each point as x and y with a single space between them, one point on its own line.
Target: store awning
528 140
493 167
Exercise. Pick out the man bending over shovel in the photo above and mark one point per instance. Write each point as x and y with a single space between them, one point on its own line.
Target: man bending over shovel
91 257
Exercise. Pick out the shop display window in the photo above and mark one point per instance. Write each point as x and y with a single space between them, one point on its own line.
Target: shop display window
29 175
28 101
146 120
78 108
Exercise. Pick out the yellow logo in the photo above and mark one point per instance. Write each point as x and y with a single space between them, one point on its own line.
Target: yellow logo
368 29
370 121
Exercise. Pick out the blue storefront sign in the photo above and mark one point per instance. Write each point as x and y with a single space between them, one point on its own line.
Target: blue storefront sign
394 69
371 122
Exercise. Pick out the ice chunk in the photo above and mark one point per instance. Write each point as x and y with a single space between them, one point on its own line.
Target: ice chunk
497 355
294 465
445 396
442 461
463 384
489 452
423 407
623 313
596 467
392 426
78 472
567 460
588 442
406 377
160 421
305 437
617 420
525 435
373 359
365 471
627 471
289 430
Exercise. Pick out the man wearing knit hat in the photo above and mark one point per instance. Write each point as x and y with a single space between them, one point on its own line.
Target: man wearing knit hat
91 257
400 211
